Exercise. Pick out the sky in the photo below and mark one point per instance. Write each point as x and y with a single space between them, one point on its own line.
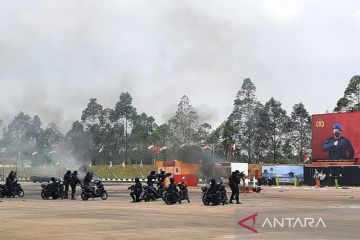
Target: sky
56 55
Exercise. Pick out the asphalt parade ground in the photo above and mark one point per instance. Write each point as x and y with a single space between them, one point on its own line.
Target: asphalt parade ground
275 213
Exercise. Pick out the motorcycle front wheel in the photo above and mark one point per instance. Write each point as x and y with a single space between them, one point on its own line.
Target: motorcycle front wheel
84 196
205 201
21 193
104 196
44 196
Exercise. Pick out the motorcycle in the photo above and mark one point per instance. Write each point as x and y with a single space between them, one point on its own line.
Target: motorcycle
221 195
148 194
160 190
180 194
88 191
17 190
267 181
54 191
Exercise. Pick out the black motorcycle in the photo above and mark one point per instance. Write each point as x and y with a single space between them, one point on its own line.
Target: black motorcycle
267 181
221 195
88 191
160 190
180 194
148 194
17 190
51 190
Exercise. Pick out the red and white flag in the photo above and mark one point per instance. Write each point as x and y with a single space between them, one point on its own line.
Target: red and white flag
155 150
207 146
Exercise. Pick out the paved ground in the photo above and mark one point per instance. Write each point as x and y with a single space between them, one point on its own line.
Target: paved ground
117 218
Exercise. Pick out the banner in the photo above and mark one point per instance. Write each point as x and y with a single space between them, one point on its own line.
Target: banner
325 146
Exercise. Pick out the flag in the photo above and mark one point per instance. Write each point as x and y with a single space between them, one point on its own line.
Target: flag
155 150
164 148
230 151
101 149
141 165
207 146
151 146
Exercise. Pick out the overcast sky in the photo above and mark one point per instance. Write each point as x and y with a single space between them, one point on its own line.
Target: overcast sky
55 55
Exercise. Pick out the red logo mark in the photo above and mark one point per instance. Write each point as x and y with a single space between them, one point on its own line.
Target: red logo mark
253 217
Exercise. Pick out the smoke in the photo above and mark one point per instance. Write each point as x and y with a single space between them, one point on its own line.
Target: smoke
209 164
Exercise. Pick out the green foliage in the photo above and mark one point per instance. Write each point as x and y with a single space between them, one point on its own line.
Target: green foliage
350 102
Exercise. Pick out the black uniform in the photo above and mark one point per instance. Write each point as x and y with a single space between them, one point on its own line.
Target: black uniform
10 181
67 180
54 188
234 181
74 181
213 191
161 177
87 179
151 179
135 195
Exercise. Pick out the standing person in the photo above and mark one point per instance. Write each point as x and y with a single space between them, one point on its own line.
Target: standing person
234 181
338 146
67 180
74 181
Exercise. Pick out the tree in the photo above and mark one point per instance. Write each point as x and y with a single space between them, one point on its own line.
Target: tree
300 135
227 137
276 121
125 112
92 116
350 102
243 116
261 139
185 127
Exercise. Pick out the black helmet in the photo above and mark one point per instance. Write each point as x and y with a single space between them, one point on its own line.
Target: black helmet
212 181
52 179
162 172
75 172
137 180
237 171
152 173
68 172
